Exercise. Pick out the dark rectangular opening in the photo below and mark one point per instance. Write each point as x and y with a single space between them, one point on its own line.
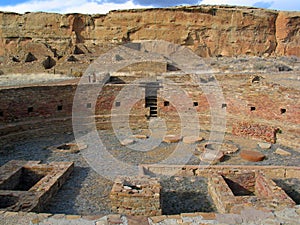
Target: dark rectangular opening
151 90
282 111
195 104
24 180
7 201
166 103
118 104
291 187
185 195
224 105
89 105
30 109
59 107
1 114
241 184
252 108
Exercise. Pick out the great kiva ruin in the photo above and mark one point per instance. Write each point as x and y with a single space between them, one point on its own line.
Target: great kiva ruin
185 115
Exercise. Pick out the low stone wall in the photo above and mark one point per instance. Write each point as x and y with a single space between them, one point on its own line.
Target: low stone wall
272 172
258 131
136 196
232 192
27 185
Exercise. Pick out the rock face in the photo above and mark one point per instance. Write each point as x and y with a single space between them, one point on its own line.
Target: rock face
207 30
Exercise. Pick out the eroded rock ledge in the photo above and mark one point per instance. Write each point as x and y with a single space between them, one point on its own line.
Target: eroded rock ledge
208 30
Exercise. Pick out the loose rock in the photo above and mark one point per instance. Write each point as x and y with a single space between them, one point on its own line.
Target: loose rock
264 145
172 138
282 152
192 139
140 136
127 142
252 156
212 156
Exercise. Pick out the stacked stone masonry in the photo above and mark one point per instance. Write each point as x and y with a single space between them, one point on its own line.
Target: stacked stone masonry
26 108
136 196
27 185
232 188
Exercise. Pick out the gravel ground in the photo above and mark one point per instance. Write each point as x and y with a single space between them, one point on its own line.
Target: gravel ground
185 195
86 192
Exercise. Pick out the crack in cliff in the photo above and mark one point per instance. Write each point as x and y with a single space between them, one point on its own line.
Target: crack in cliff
275 34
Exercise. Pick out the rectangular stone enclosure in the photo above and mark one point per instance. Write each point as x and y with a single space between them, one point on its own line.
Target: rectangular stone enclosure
136 196
28 186
232 191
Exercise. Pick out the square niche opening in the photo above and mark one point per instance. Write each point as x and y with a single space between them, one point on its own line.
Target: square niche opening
7 201
24 180
282 111
30 109
88 105
241 184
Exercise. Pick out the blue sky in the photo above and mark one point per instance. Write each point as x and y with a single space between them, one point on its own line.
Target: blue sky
103 6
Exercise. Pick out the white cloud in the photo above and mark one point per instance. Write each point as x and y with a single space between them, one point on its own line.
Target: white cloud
104 6
64 6
93 7
276 4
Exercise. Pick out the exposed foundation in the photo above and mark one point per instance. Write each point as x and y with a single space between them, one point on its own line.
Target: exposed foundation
136 196
231 192
28 185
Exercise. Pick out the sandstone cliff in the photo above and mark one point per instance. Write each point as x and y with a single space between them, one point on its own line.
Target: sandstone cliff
55 40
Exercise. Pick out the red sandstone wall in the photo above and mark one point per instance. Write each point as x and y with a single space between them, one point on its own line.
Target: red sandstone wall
208 30
45 101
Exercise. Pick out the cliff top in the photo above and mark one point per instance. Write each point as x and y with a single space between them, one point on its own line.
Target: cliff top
192 9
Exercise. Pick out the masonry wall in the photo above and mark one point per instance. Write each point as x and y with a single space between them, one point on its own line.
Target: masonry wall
259 105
